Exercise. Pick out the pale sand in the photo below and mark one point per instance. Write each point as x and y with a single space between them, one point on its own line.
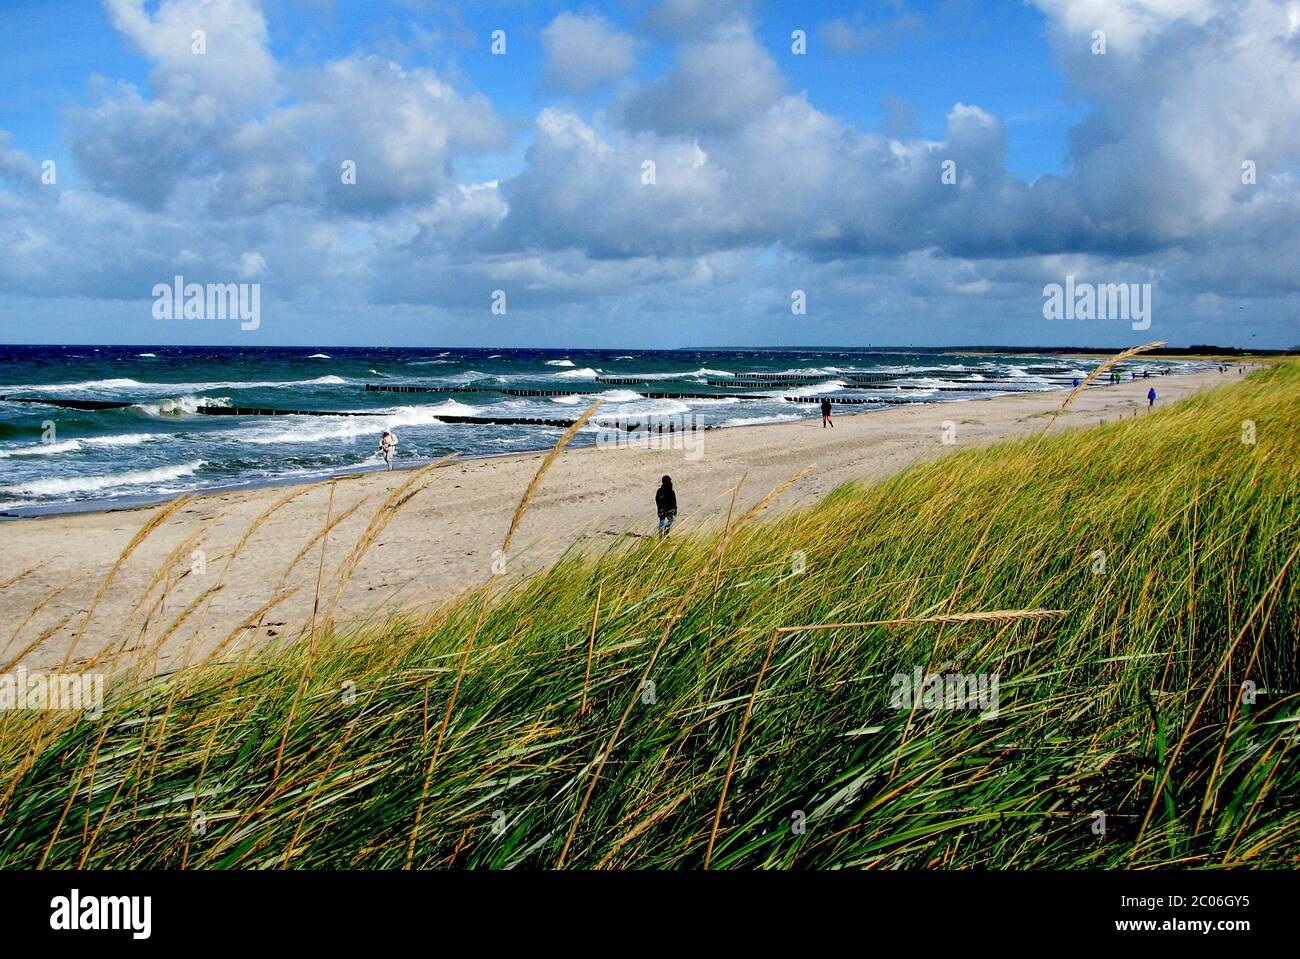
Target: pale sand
442 542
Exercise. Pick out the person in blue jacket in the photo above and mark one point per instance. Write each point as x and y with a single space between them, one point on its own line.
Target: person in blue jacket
1151 397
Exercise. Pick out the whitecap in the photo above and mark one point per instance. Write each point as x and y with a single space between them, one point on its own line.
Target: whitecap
812 389
63 486
316 429
75 445
759 420
181 405
120 384
42 449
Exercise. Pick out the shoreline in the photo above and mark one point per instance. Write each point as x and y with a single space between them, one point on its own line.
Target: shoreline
173 591
128 504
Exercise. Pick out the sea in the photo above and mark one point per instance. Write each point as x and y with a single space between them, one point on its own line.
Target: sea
153 440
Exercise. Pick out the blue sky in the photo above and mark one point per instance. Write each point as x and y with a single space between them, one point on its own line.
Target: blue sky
775 172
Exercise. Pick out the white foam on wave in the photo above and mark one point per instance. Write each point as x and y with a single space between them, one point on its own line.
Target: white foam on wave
120 384
42 449
117 383
73 446
449 407
812 389
620 396
64 486
715 401
586 373
647 408
688 375
181 405
559 362
319 356
469 376
124 439
317 429
759 420
827 371
148 355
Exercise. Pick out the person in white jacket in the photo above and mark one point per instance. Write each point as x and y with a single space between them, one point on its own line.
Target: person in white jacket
388 443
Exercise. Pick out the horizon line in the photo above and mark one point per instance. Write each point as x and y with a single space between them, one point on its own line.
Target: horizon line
970 347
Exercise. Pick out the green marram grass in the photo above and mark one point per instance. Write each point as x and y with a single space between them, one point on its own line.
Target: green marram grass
332 753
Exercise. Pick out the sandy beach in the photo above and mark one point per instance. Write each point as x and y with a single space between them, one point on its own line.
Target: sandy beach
173 599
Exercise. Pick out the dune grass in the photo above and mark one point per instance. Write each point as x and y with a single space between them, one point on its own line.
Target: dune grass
657 707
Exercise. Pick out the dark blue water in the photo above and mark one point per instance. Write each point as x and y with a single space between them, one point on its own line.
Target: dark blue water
159 445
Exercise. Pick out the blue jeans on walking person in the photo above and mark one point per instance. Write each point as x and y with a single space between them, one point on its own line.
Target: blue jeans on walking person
665 524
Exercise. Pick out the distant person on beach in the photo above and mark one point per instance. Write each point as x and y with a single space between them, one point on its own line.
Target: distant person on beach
1076 382
666 505
388 443
1151 397
826 414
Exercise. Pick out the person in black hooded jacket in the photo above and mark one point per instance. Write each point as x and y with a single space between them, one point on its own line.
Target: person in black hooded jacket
666 505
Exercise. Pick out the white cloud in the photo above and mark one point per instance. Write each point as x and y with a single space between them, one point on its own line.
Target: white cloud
584 52
403 129
234 67
717 84
1128 24
251 265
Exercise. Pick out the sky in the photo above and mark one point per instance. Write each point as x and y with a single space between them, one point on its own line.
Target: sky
651 173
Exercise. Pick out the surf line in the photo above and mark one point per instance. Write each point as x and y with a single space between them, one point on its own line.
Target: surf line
70 404
440 417
270 411
527 392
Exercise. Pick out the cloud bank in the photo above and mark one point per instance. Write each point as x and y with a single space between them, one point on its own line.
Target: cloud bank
711 187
